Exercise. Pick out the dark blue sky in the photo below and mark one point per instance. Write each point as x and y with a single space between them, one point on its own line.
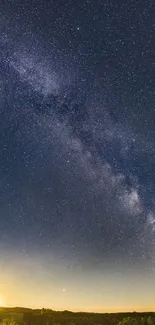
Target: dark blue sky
77 145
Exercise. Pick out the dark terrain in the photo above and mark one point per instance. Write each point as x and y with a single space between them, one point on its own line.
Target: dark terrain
43 316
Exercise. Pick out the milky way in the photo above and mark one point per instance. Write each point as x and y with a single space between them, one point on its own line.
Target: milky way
77 132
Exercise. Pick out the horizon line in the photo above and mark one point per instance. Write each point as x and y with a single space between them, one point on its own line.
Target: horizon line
79 311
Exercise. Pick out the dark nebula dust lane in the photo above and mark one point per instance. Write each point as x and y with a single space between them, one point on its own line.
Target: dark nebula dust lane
77 148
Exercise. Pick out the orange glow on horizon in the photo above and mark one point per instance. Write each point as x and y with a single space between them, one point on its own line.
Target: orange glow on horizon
2 301
33 283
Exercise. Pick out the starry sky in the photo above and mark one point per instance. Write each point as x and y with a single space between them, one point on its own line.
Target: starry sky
77 154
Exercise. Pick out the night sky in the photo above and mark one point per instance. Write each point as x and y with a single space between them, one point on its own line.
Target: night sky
77 154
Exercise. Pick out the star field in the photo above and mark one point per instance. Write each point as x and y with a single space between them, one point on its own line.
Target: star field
77 151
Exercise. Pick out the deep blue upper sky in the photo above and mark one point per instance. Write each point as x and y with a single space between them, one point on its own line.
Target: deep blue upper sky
77 127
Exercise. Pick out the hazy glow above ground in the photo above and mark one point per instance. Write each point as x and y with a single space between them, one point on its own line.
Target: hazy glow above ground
2 301
31 283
